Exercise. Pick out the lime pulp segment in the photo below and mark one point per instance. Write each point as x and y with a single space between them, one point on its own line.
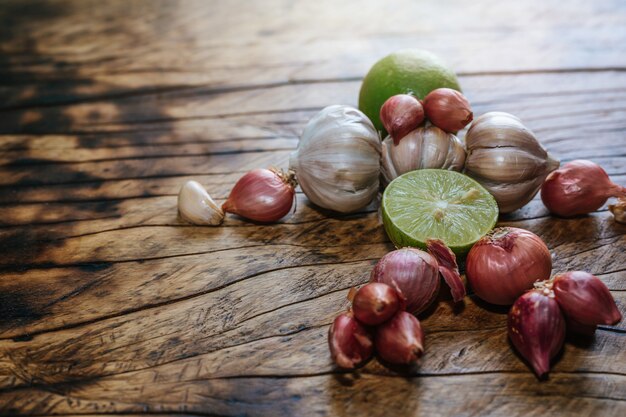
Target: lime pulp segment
435 203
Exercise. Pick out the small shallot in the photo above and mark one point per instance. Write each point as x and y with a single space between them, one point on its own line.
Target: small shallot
505 263
400 340
262 195
350 343
375 303
536 328
585 299
578 187
448 109
401 114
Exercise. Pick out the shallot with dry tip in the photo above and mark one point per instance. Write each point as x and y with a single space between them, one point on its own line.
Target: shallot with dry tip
400 340
401 114
262 195
536 328
578 187
375 303
350 343
505 263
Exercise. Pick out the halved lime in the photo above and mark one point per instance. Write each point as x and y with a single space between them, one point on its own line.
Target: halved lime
440 204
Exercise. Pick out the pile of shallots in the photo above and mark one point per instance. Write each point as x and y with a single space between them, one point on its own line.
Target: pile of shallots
538 319
382 317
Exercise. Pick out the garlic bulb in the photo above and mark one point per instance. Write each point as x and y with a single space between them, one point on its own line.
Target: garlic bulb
196 206
337 162
506 158
422 148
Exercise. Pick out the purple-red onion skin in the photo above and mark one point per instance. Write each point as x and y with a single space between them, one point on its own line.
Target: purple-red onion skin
401 114
350 343
413 272
447 267
504 264
536 328
448 109
262 195
578 187
400 340
375 303
585 299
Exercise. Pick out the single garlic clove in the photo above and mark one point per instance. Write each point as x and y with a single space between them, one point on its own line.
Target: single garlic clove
448 109
400 340
401 114
536 328
585 299
350 343
196 206
619 210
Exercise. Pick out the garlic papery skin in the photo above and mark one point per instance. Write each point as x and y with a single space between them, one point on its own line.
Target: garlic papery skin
337 162
422 148
507 159
196 206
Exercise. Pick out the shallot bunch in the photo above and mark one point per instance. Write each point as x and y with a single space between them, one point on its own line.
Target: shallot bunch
537 321
446 108
405 279
376 320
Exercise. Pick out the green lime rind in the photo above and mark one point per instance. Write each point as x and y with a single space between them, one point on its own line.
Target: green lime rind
440 204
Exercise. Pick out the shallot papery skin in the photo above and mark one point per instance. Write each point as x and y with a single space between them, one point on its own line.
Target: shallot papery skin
505 263
375 303
413 272
585 299
350 343
447 267
401 114
262 195
578 187
400 340
536 328
448 109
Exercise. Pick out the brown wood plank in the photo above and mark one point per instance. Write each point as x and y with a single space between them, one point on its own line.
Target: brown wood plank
110 304
361 394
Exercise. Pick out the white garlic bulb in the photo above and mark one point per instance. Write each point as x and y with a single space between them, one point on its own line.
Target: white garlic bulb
337 162
506 158
196 206
422 148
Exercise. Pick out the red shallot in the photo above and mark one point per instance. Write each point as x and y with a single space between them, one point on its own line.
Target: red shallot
401 114
400 340
505 263
585 299
350 343
536 328
375 303
262 195
578 187
448 109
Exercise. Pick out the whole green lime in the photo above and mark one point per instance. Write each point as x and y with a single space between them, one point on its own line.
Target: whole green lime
408 71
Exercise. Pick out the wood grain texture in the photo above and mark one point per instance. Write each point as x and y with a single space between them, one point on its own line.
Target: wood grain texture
111 304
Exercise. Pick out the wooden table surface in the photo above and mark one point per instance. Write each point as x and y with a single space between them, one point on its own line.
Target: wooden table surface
110 304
